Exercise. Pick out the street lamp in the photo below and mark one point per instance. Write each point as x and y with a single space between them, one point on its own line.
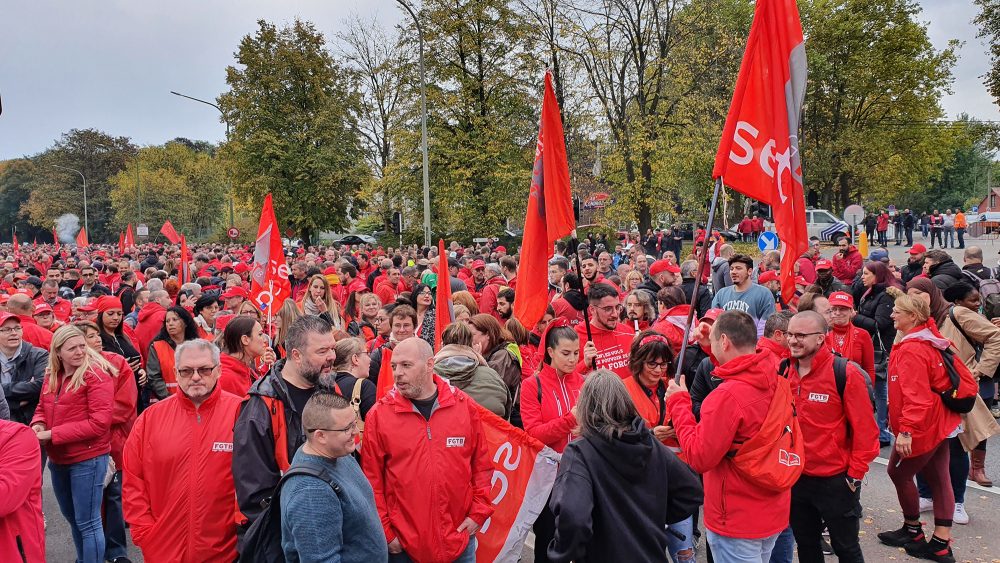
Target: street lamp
86 221
423 124
226 120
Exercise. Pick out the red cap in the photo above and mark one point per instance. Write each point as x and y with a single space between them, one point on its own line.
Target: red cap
42 308
767 276
241 268
824 264
502 249
712 314
88 308
663 266
799 280
841 299
330 271
5 316
917 249
476 264
235 292
221 321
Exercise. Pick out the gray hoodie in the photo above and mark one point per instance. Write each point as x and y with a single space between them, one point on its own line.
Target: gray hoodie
468 371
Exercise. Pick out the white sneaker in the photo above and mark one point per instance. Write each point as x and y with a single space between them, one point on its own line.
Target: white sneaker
961 516
926 504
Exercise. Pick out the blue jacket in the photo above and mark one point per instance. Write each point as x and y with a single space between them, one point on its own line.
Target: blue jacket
318 524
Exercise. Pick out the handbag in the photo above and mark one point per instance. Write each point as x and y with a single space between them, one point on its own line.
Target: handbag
977 346
109 474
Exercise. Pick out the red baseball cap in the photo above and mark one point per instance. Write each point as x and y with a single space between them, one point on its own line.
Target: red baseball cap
712 314
477 264
664 266
241 268
235 292
917 249
824 264
5 316
841 299
502 249
42 308
799 280
767 276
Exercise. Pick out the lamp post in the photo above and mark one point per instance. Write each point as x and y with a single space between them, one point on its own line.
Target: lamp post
86 220
423 124
226 121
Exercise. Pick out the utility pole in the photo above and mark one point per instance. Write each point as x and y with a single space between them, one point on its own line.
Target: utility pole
225 119
423 124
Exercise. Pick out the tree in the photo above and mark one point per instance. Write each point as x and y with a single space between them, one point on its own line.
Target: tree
294 131
16 177
988 21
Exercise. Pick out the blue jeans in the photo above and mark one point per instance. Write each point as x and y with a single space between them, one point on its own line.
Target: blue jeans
467 556
735 550
675 544
78 488
115 543
882 410
784 547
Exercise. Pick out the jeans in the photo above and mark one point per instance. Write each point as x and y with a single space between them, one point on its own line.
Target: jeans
736 550
949 237
882 410
909 236
961 237
881 238
675 545
924 229
784 547
467 556
115 543
958 470
829 501
78 489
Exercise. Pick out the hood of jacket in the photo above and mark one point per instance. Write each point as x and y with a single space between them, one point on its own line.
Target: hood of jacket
629 454
946 268
755 369
927 332
149 309
457 364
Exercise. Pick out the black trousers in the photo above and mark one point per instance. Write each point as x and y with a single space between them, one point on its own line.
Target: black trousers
545 531
826 501
909 236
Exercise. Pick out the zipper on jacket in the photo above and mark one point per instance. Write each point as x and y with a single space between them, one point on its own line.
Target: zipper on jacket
20 549
428 424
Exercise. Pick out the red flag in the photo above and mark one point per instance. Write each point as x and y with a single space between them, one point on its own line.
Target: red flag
168 231
444 314
549 216
759 152
121 243
385 379
34 242
81 238
129 237
185 269
269 285
17 247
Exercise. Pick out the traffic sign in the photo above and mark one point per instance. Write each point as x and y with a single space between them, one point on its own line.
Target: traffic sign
975 209
768 241
854 214
233 232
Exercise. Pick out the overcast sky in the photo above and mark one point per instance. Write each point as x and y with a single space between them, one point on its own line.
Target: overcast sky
110 64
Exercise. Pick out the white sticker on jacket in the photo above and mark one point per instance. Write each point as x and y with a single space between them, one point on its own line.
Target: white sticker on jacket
453 442
819 397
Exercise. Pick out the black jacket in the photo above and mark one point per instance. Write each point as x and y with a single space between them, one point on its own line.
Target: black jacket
831 286
911 270
653 288
703 383
26 382
704 296
613 498
981 272
346 383
874 315
945 274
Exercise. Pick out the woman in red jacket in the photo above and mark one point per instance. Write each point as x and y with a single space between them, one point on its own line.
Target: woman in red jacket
76 433
923 425
548 407
243 343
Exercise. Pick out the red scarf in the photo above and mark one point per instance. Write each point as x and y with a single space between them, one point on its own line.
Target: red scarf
842 339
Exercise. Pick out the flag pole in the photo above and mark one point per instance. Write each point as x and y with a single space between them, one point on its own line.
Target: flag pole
697 279
579 271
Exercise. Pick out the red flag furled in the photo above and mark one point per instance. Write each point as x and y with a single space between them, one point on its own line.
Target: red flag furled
81 238
121 243
17 246
168 231
444 313
759 152
269 285
129 237
550 213
385 379
185 262
523 473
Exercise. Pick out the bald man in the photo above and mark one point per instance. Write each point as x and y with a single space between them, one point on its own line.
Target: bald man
22 306
423 417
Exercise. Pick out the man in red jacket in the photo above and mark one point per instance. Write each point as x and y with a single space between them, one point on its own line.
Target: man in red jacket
188 436
846 262
841 439
489 291
612 340
741 517
22 306
429 511
22 533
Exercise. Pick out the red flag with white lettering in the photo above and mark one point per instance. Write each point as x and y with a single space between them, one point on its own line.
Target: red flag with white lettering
269 285
758 154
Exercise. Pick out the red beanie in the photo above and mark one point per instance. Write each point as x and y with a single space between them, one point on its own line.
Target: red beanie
108 303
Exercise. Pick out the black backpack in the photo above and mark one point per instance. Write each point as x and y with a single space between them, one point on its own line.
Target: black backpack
262 542
839 376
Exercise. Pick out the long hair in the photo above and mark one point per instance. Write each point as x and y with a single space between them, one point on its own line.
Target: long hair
289 313
466 298
604 408
190 327
883 276
490 326
91 360
332 307
231 339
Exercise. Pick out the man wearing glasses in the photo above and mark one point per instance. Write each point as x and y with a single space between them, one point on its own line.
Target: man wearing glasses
88 277
612 340
184 438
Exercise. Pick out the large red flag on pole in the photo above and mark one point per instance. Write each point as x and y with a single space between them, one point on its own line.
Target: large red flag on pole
168 231
121 243
129 237
269 285
759 151
17 246
81 238
550 212
185 269
444 314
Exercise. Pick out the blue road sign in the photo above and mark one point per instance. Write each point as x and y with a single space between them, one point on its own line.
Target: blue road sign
768 241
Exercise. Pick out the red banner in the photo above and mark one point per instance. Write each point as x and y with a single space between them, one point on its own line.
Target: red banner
759 151
523 473
549 216
385 379
129 237
444 314
168 231
81 238
17 246
121 243
269 285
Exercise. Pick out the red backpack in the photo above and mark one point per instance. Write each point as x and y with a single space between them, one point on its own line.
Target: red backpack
773 457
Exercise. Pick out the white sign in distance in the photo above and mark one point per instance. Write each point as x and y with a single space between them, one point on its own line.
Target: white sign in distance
854 214
142 230
768 241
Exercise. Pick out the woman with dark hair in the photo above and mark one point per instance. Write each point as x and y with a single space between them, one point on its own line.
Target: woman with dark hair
875 316
185 299
494 343
117 339
422 301
243 342
548 406
671 323
205 309
178 326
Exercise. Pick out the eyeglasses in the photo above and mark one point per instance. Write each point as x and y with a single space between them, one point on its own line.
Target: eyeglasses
11 330
800 335
657 365
202 371
349 429
610 309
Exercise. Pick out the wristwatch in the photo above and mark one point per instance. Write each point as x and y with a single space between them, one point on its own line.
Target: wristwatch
856 483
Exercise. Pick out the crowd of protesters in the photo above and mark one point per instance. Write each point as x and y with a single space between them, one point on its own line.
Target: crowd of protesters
182 412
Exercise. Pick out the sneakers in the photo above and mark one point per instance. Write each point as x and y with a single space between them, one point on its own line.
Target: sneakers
926 550
827 548
902 537
926 504
961 516
995 411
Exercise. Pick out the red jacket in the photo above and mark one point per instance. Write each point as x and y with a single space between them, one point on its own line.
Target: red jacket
840 435
746 226
61 308
563 309
846 267
855 344
150 322
882 222
777 351
236 377
757 224
671 325
916 374
386 291
123 413
550 422
175 513
732 413
488 296
428 475
34 334
613 347
80 420
21 528
807 268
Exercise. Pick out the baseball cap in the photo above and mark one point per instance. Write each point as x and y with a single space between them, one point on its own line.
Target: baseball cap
878 254
767 276
502 249
824 265
917 249
799 280
235 292
477 264
841 299
42 308
241 268
664 266
5 316
712 314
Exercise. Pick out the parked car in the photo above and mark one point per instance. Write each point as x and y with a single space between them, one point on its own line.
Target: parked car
357 239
